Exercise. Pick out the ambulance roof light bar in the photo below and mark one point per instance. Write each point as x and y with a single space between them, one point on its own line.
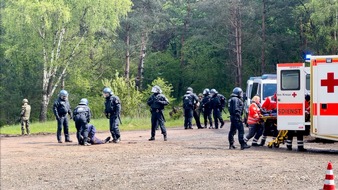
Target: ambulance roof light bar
308 57
269 76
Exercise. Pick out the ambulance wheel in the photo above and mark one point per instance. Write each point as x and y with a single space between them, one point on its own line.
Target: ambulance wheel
276 145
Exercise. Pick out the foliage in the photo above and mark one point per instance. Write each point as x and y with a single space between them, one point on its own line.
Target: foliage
188 43
165 86
131 98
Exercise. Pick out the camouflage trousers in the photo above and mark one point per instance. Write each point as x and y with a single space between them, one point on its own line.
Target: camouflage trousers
25 126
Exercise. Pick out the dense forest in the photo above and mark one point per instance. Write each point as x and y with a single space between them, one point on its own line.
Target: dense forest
84 45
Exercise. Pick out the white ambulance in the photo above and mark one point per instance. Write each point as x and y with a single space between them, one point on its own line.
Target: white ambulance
294 81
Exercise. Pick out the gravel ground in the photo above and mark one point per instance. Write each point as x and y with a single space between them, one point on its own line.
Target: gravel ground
190 159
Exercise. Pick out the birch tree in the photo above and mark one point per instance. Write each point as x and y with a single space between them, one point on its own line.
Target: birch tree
57 30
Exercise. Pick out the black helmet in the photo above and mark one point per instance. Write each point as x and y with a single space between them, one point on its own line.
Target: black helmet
238 91
206 91
213 91
107 91
63 94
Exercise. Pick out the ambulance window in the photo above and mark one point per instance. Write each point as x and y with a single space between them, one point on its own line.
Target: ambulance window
259 91
308 82
254 90
290 80
269 90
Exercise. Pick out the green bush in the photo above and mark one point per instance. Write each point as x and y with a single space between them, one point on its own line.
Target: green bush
165 86
131 98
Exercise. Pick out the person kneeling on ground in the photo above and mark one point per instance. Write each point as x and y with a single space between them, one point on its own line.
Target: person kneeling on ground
254 121
92 139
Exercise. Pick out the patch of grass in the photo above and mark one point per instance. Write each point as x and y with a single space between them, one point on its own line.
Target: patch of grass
129 124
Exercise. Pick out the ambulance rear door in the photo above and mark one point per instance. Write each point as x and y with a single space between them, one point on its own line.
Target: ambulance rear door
290 96
324 96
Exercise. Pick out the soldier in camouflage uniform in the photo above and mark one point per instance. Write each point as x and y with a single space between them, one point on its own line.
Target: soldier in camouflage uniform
25 114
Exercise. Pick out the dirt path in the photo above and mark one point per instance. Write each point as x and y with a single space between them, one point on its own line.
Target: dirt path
190 159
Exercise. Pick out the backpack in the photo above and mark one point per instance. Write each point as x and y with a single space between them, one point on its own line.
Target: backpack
80 114
188 101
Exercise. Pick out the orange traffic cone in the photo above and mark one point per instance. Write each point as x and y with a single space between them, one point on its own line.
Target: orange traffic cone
329 178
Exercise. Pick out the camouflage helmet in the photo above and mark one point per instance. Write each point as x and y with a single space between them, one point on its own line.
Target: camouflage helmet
24 101
84 101
156 89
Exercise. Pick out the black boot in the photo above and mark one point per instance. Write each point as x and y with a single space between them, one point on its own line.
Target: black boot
222 124
152 139
232 146
244 146
165 137
106 140
262 142
301 149
289 147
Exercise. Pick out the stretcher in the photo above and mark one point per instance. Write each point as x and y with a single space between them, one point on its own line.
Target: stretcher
281 136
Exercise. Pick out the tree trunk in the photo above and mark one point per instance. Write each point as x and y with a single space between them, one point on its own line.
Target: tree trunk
44 106
185 29
263 38
127 41
239 46
236 22
139 77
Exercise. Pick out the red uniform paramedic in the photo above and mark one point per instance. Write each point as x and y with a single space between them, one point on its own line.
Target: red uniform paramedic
255 126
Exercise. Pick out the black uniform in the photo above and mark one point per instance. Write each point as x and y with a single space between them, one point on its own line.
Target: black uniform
112 111
196 112
81 116
188 106
236 111
217 106
207 110
60 109
157 102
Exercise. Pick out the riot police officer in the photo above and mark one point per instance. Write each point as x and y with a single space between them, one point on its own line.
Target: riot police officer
25 114
61 108
112 112
217 103
196 113
236 110
157 101
206 108
188 106
81 116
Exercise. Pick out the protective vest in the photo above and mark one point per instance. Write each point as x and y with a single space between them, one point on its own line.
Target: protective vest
254 113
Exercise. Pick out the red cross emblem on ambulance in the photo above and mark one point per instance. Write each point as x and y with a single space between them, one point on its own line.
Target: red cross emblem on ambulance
330 82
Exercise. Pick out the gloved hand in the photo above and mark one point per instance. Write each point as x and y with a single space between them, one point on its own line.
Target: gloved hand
57 118
107 115
71 117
